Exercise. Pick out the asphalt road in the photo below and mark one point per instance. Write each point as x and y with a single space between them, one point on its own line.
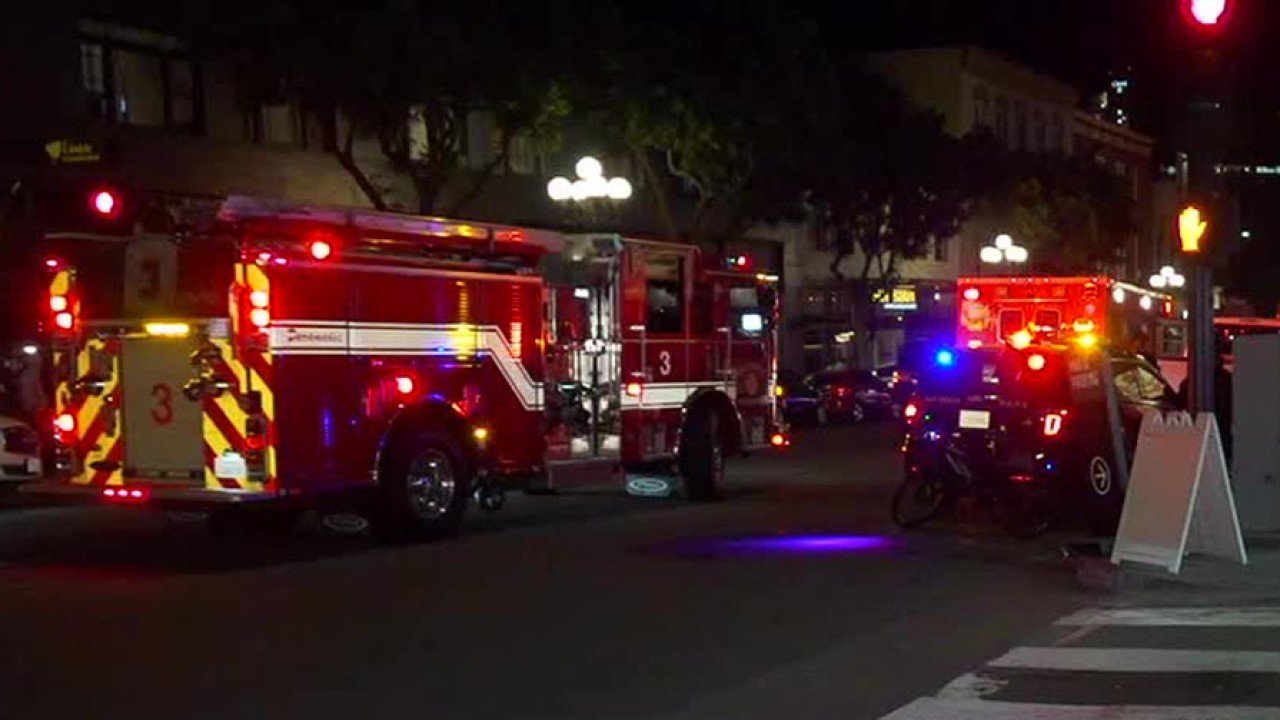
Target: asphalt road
794 597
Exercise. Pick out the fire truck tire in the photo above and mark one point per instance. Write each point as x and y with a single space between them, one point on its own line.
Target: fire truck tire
424 485
702 461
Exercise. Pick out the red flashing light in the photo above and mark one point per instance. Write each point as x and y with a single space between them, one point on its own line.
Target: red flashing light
105 203
1052 424
1036 362
65 321
634 389
405 385
65 423
52 263
260 317
58 303
973 294
259 298
1208 13
911 411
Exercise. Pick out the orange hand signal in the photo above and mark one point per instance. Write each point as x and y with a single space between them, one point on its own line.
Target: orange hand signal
1191 229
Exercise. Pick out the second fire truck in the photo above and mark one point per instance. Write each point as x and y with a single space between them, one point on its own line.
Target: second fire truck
302 355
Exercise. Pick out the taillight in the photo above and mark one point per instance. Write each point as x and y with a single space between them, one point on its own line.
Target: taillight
1052 426
66 423
405 385
911 411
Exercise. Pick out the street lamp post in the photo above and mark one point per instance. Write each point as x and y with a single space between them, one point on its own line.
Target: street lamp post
591 196
1004 250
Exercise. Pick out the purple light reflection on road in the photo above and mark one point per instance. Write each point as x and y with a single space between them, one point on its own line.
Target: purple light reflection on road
805 544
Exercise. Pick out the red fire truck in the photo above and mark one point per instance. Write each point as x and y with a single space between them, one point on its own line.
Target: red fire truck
993 310
290 356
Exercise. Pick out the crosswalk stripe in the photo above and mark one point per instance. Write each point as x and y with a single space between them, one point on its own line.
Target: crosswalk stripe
1177 617
1139 660
951 709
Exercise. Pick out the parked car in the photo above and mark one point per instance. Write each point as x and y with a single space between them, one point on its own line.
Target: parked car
835 395
19 451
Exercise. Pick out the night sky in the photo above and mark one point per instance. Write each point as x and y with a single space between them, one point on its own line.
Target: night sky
1081 41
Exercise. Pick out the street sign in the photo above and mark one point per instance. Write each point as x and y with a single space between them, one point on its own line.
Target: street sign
1179 497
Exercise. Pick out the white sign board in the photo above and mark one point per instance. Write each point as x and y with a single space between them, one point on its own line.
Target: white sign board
1179 498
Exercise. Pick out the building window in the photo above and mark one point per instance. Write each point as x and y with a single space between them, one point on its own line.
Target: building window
137 85
938 249
1002 118
981 111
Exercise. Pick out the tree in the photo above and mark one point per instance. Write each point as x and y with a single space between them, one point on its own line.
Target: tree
891 190
1074 214
406 72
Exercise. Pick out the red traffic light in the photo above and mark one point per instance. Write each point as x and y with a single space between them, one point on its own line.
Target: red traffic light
105 203
1208 14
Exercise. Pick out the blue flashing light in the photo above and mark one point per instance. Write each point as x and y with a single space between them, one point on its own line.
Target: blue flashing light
945 358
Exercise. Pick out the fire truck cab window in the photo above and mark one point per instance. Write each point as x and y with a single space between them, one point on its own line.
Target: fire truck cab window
1048 319
664 290
1011 321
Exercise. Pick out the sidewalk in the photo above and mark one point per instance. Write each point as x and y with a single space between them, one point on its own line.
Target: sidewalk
1200 576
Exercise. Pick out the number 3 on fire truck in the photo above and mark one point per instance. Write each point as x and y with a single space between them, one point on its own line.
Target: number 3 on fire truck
664 363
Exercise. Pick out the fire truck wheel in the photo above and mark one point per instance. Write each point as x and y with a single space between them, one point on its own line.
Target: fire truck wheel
425 484
703 458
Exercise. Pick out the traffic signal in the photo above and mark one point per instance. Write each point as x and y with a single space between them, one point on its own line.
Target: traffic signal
1207 15
1192 227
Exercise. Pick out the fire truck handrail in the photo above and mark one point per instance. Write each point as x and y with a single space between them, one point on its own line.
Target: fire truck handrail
245 207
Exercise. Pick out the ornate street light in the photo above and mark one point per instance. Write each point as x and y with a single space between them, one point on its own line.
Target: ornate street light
590 185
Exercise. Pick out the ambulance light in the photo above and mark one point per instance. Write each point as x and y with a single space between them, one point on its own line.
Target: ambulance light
972 294
259 299
66 422
945 358
1036 362
1020 340
168 329
260 317
634 389
65 320
58 303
